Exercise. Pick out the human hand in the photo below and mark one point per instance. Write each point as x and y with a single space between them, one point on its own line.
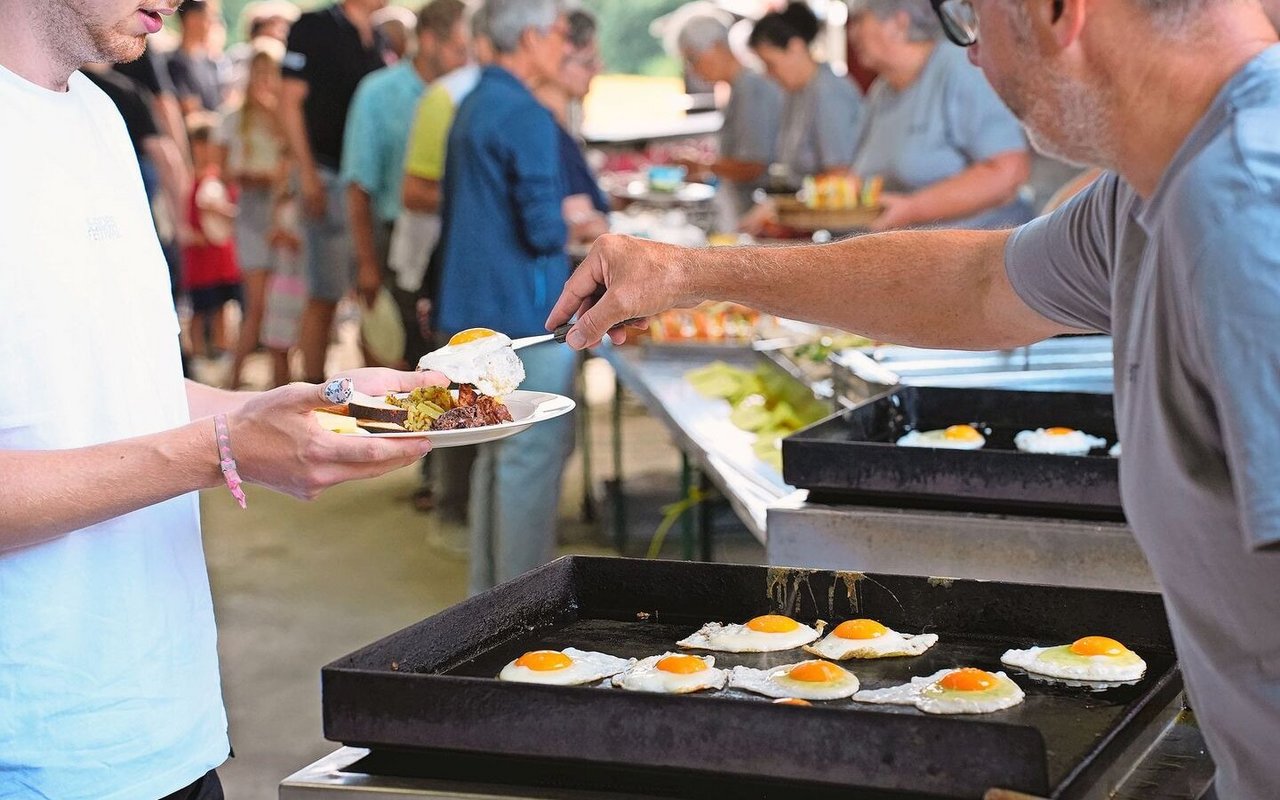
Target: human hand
279 444
315 200
899 212
622 279
759 219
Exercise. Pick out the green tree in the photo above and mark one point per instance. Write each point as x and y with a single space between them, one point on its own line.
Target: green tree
625 42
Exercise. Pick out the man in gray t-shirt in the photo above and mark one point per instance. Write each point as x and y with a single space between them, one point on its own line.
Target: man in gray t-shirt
1175 252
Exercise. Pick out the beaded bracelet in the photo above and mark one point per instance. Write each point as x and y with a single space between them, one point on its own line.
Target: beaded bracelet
225 461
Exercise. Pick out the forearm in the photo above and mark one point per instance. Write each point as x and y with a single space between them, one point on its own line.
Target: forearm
55 492
205 401
421 194
740 171
926 289
985 185
294 127
169 114
360 215
174 175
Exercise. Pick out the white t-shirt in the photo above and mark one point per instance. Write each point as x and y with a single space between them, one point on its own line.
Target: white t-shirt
108 662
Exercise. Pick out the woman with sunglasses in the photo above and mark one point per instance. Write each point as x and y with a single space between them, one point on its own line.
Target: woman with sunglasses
950 152
821 109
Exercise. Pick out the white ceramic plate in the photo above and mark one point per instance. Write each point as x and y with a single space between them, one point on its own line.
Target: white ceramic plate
527 409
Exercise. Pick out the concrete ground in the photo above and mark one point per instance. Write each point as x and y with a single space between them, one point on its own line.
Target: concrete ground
296 585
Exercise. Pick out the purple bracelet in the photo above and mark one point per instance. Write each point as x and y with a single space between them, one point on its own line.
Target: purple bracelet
225 461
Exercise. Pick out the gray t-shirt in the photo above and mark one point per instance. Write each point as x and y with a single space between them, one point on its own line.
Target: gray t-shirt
1188 284
750 131
818 124
943 123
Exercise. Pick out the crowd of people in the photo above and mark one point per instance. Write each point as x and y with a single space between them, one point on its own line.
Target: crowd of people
426 165
109 680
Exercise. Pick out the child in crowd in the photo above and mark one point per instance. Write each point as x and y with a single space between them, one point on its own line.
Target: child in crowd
211 275
256 167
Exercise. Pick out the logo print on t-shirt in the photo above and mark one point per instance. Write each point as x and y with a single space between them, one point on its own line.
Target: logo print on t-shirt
102 229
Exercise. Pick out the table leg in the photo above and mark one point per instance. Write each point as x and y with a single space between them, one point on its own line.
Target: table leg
619 496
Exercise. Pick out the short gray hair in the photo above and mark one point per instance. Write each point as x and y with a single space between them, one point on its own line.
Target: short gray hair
507 20
701 33
922 25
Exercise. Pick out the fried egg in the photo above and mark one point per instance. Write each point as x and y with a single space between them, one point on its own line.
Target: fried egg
568 667
1093 658
956 437
672 673
1057 441
481 357
1114 452
866 638
791 701
951 691
764 634
808 680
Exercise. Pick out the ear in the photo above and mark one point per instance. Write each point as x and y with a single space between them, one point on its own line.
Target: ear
1066 31
902 25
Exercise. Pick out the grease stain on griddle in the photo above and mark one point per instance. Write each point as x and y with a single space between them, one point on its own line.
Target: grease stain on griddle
942 583
784 585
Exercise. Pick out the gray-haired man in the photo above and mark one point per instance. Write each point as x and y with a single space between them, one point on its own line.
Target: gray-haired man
1175 252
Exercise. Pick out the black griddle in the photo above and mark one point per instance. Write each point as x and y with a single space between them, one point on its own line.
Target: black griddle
851 457
428 692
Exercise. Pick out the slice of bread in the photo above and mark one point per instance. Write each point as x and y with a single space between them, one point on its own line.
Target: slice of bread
376 409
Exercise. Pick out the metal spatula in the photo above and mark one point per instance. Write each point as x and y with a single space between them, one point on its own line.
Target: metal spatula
556 336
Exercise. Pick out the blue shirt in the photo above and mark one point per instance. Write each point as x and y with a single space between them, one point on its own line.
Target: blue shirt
946 121
1187 281
818 124
503 262
377 134
578 178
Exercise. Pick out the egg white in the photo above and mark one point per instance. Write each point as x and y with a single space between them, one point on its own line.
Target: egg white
888 645
587 667
777 683
930 697
939 440
735 638
1114 452
1060 662
1076 443
488 363
644 676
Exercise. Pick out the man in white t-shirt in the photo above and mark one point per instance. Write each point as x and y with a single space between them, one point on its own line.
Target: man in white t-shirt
108 667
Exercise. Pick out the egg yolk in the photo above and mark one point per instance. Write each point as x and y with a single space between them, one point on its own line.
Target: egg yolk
1059 431
962 433
791 701
968 679
773 623
470 335
860 629
544 661
1097 646
682 665
816 672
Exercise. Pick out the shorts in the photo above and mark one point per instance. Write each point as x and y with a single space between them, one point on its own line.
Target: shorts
253 227
331 263
212 298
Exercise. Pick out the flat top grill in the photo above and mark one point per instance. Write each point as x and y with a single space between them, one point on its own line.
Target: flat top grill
1071 720
852 456
431 686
